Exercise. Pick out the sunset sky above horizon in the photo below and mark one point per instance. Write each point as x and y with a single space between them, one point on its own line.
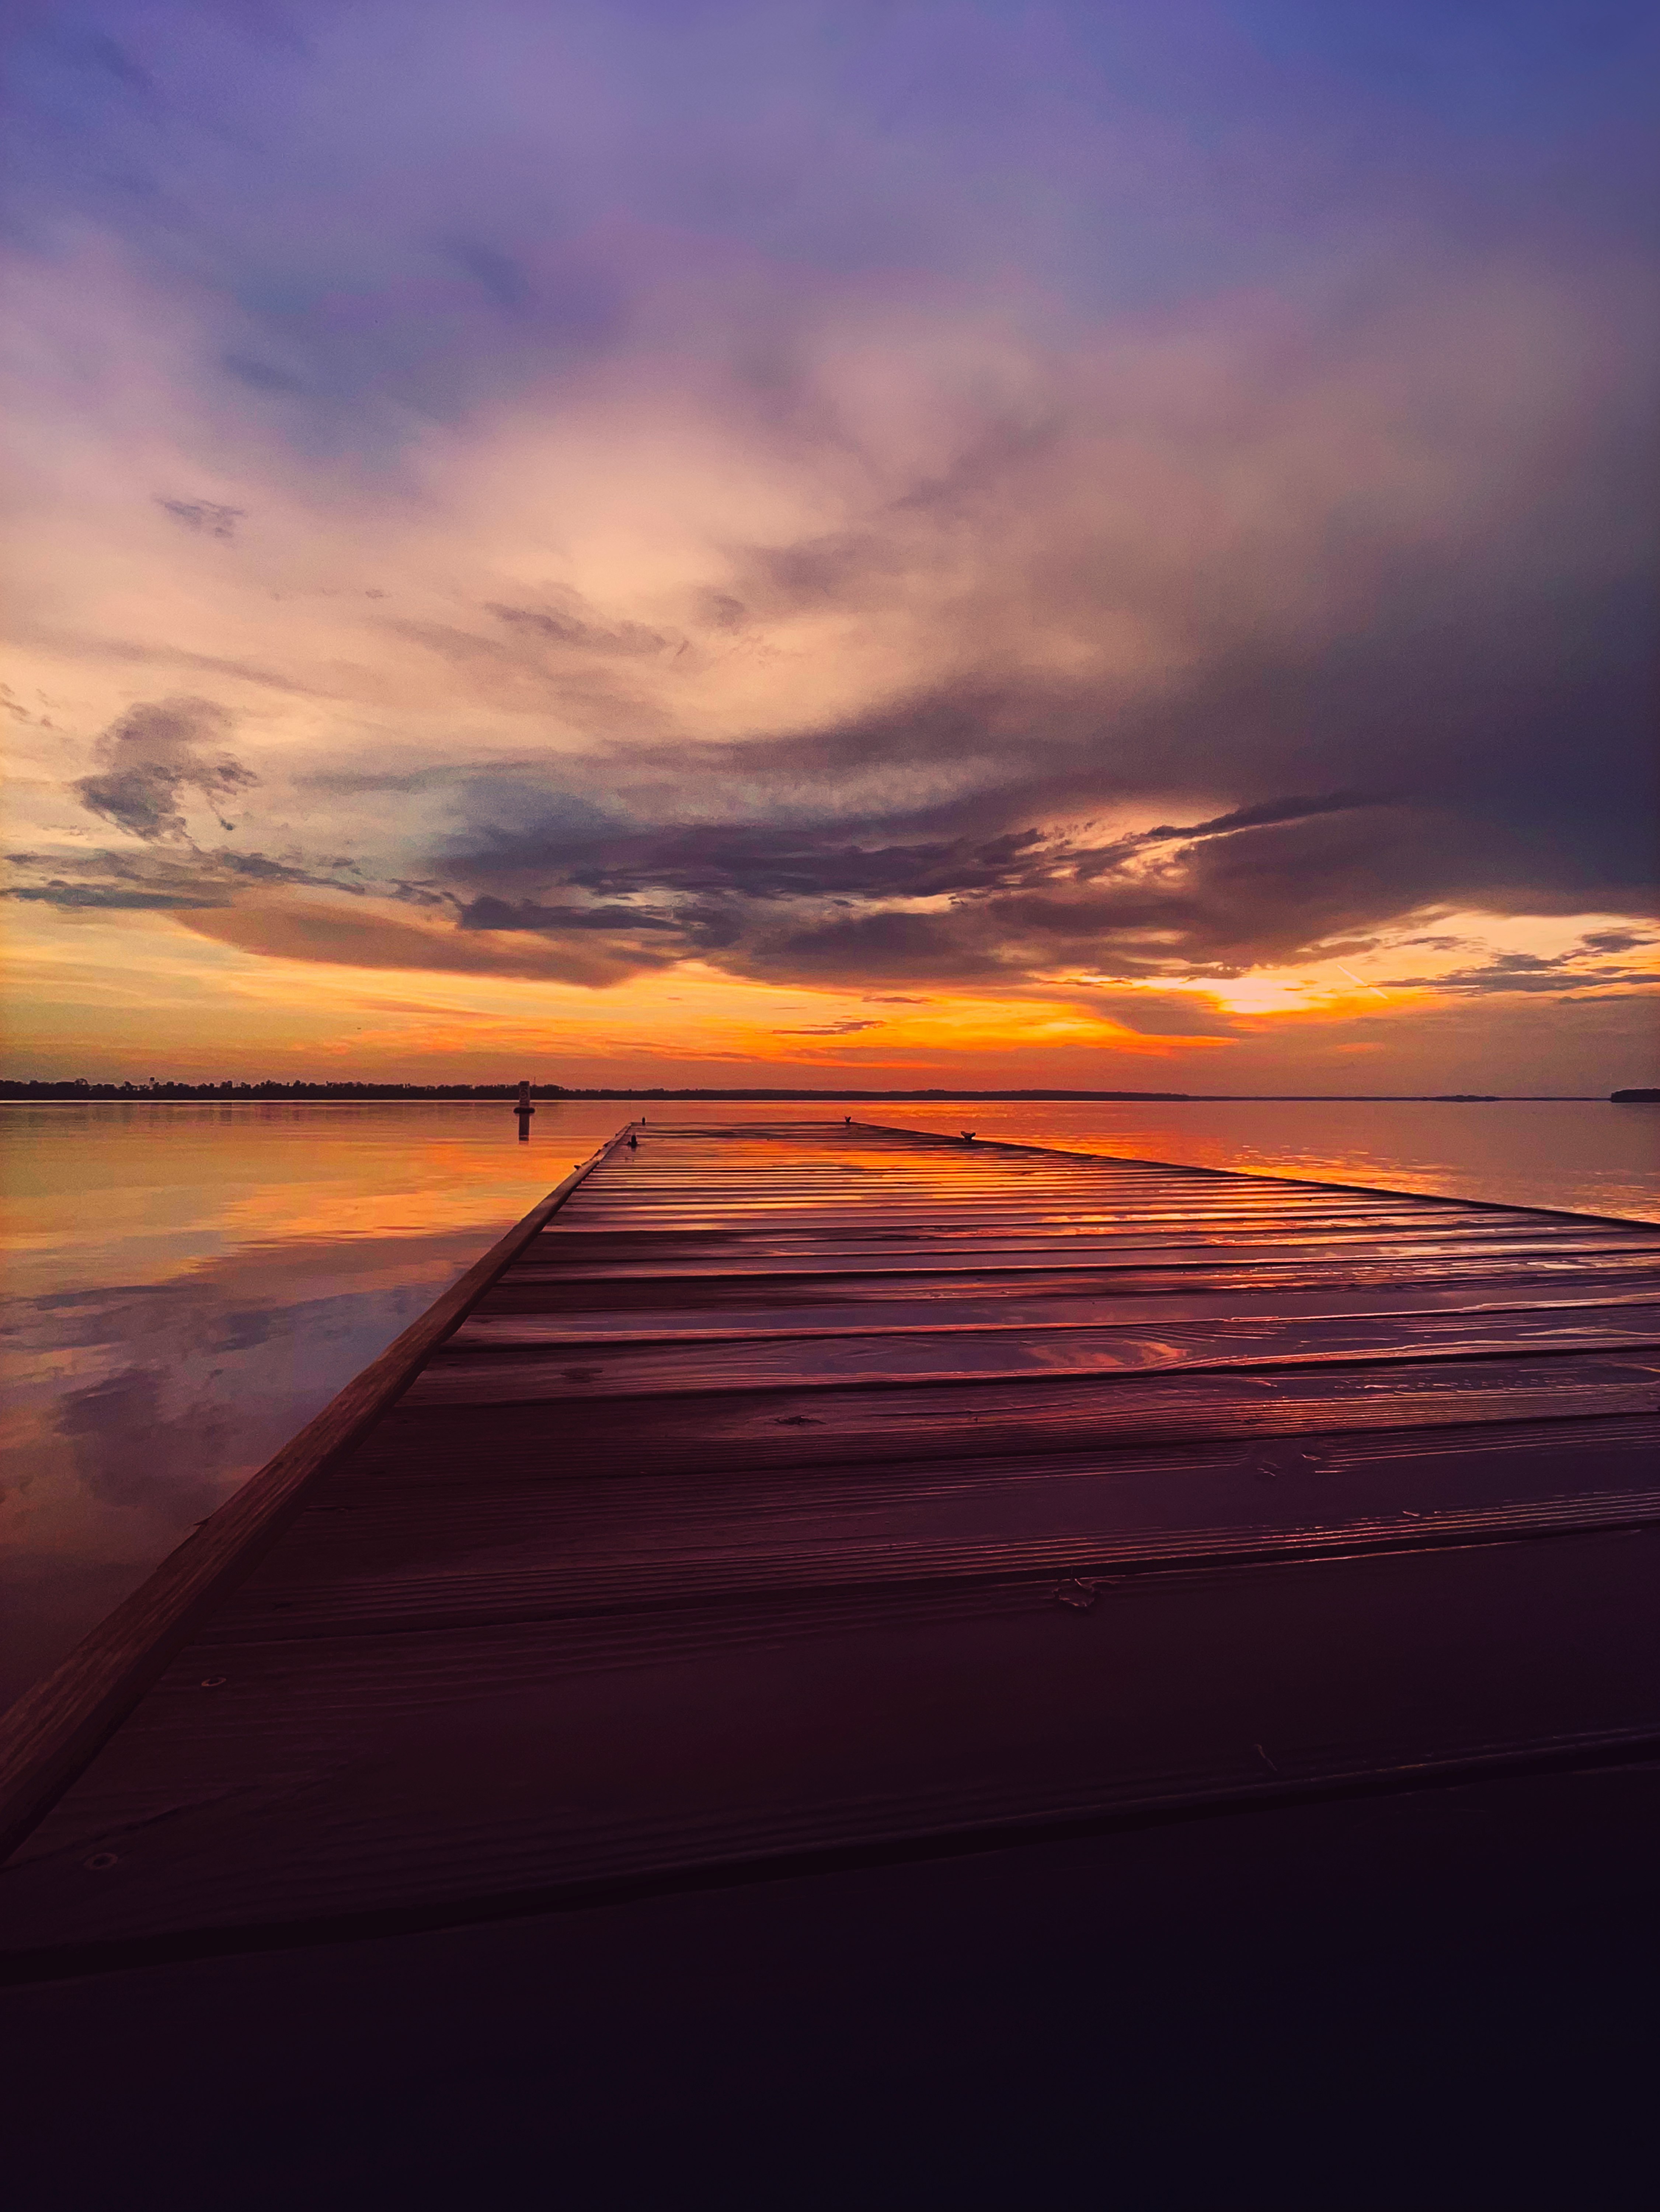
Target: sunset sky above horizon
1092 546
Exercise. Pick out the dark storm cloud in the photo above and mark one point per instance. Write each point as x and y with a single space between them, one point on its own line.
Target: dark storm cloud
1267 814
497 914
758 862
154 753
948 839
884 947
1503 747
1268 880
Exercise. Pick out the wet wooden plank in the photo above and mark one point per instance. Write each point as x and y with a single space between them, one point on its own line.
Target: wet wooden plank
815 1489
817 1424
1281 1482
487 1375
508 1325
1095 1255
973 1214
595 1306
372 1555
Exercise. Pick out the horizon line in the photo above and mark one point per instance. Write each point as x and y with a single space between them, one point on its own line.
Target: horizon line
47 1090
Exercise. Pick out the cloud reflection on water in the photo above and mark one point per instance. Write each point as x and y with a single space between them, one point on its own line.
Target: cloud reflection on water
189 1286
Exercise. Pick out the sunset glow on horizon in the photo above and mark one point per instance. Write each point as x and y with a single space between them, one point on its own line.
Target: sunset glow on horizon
1059 547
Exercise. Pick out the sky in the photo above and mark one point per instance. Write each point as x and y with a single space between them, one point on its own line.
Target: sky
1090 546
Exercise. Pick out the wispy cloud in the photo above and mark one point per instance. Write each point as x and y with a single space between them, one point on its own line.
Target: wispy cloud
829 1029
204 515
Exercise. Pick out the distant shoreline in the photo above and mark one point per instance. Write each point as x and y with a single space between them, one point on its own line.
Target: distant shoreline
255 1094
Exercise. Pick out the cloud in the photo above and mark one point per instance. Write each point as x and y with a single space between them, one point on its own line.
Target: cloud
348 937
162 882
878 947
1583 965
571 624
119 1434
496 913
153 753
111 898
864 901
1617 940
1165 1013
261 375
756 862
503 279
829 1029
204 516
915 502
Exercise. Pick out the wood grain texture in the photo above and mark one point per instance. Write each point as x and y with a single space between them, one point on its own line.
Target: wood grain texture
511 1325
806 1489
827 1424
336 1778
508 1374
611 1308
48 1735
371 1556
770 1271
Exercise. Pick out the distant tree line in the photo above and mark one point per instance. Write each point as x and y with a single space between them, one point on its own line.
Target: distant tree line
79 1088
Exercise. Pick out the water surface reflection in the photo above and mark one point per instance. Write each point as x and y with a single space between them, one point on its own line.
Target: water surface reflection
188 1284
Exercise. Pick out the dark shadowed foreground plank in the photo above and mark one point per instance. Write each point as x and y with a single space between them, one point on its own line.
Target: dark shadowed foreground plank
383 1556
1437 1997
808 1496
336 1781
51 1731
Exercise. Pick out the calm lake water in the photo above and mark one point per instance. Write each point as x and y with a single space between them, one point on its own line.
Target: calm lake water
188 1284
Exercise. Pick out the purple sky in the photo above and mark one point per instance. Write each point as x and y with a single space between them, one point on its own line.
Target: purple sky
1029 541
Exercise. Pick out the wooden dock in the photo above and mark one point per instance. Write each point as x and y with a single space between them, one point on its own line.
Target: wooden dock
801 1500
